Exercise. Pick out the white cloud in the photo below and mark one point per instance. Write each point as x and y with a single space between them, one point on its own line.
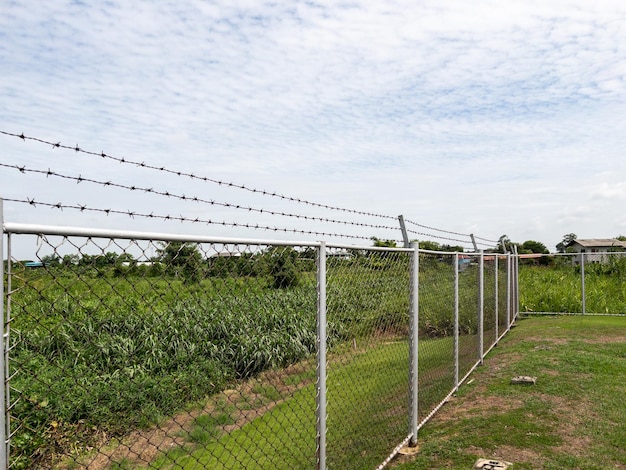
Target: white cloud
441 111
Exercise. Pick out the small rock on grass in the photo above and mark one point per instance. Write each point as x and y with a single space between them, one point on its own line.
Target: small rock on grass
490 464
523 380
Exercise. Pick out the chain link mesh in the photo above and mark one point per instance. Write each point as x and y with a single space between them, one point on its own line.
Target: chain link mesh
150 354
368 374
133 353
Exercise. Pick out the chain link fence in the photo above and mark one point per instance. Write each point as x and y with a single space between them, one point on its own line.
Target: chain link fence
573 283
133 350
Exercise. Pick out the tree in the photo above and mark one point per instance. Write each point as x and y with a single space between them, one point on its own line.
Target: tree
70 260
51 260
532 246
383 243
567 239
181 259
429 245
282 267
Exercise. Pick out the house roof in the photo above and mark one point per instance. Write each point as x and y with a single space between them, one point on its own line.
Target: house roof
598 243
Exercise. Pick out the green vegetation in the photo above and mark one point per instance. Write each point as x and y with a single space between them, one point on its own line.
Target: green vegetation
557 286
571 418
104 344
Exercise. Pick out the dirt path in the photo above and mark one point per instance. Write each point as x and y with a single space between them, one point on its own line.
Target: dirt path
246 402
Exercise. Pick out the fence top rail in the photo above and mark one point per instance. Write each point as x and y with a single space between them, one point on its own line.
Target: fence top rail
33 229
66 231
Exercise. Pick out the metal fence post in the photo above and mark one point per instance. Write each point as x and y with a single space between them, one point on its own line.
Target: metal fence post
497 313
481 305
582 282
516 283
414 345
321 358
4 421
456 320
509 285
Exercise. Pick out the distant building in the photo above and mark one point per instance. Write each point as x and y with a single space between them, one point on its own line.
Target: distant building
595 249
34 264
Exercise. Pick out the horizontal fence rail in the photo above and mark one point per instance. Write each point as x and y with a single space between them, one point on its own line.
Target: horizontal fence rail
146 350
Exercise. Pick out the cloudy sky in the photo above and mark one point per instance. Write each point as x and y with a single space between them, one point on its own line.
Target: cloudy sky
484 117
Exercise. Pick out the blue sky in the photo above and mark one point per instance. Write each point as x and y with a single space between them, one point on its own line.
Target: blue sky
485 117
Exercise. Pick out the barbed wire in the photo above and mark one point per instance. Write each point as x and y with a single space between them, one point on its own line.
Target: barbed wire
207 179
182 197
124 160
437 229
485 239
412 232
167 217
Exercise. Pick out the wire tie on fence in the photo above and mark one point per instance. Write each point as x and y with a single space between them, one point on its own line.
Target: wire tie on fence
77 148
58 144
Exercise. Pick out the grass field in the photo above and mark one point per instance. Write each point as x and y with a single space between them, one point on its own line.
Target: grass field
99 356
558 288
572 418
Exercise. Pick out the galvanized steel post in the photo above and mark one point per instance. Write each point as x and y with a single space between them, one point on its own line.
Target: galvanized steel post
414 344
4 418
481 305
456 320
320 396
509 285
495 264
582 282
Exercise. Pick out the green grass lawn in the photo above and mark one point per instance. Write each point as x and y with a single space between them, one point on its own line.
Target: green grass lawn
572 418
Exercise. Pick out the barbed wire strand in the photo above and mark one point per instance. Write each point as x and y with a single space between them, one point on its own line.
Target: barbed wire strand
77 149
167 217
102 154
182 197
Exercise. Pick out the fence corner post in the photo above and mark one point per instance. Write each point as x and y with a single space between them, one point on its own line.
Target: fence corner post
414 345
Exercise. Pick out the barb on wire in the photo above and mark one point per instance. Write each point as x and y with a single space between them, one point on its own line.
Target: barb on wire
167 217
183 197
